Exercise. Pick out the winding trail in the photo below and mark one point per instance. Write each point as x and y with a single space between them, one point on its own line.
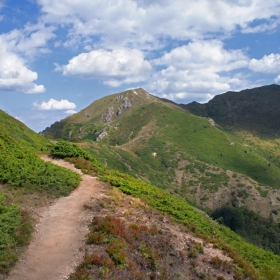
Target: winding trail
57 245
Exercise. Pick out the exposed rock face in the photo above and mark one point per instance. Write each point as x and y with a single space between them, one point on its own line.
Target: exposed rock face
102 135
125 105
119 98
109 115
80 133
211 121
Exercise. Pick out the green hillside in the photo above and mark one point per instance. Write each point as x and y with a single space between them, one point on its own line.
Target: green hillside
22 169
22 172
162 143
14 131
250 261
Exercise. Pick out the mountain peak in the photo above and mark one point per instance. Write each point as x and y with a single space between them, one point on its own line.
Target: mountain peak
107 111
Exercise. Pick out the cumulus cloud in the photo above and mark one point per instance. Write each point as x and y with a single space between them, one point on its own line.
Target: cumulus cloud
17 47
204 55
142 23
121 66
203 67
198 70
267 64
53 104
31 40
14 75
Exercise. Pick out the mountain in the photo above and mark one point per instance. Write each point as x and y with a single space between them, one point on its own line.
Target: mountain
102 116
252 110
161 142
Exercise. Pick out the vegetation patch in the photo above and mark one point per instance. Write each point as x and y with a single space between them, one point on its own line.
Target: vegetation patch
15 232
20 168
254 228
262 192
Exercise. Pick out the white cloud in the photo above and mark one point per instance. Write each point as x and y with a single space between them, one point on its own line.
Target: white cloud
142 24
267 64
14 75
70 112
198 70
53 104
121 66
30 40
204 54
277 79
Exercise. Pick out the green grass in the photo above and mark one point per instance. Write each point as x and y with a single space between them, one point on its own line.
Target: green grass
179 135
201 140
23 168
16 132
262 192
15 232
170 131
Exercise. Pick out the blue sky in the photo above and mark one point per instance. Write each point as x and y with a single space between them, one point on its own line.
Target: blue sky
59 56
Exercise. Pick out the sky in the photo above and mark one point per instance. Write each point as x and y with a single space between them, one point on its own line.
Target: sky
57 57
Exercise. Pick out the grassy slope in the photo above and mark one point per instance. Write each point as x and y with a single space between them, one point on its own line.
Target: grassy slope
265 264
178 135
16 132
21 167
155 125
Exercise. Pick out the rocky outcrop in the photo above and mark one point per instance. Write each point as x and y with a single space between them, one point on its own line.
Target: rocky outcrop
109 115
80 133
119 98
211 121
102 135
125 105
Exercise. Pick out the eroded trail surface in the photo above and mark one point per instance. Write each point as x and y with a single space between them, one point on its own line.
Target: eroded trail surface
58 242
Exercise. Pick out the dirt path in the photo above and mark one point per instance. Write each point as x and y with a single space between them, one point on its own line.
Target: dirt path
58 243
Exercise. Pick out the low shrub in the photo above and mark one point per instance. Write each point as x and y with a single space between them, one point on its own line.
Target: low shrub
15 232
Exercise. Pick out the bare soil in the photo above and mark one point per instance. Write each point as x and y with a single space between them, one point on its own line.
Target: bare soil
58 242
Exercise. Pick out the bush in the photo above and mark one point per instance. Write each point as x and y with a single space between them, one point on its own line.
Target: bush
65 149
22 168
